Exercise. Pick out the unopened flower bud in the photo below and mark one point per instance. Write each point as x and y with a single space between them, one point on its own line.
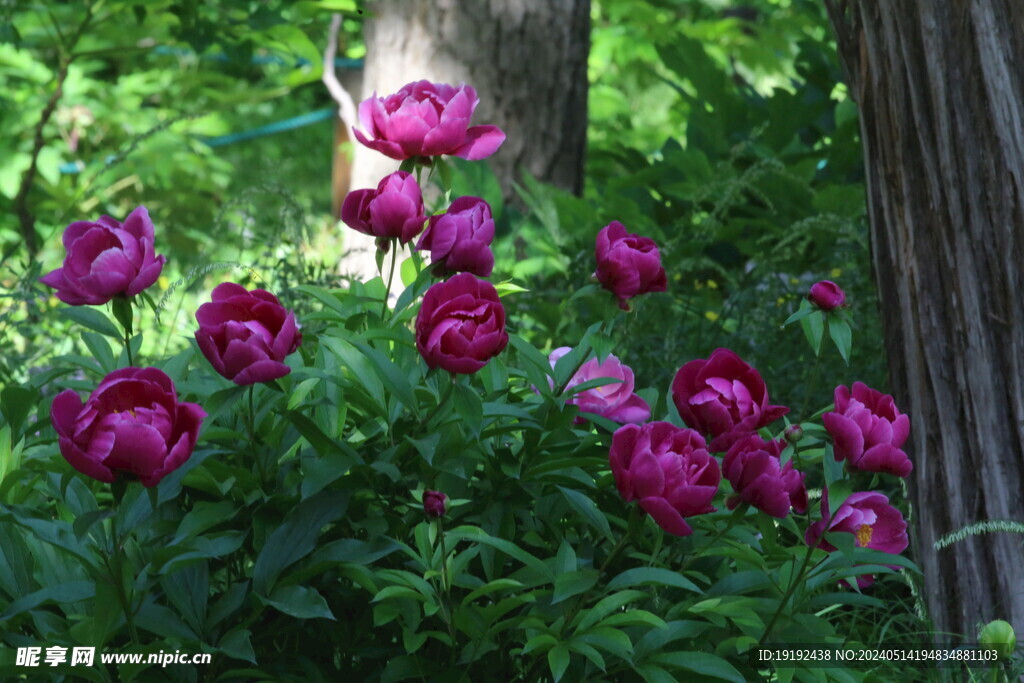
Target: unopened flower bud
794 433
826 295
435 504
999 634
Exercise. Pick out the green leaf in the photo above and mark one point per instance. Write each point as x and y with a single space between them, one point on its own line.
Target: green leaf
805 309
301 602
838 492
391 376
644 575
558 660
101 351
59 593
702 663
606 606
573 583
588 510
92 319
295 538
634 617
237 644
814 330
469 406
477 534
841 334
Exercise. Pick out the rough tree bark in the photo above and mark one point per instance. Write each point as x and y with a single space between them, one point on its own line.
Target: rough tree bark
527 60
941 101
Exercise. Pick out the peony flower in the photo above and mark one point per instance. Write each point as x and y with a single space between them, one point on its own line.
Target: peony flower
868 431
393 210
246 335
435 504
460 240
724 397
132 423
754 468
668 470
873 522
461 324
105 259
617 402
826 295
627 264
425 119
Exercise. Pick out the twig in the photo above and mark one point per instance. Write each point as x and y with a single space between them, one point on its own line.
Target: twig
346 105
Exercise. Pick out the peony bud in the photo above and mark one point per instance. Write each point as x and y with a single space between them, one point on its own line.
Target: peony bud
794 433
999 634
435 504
826 295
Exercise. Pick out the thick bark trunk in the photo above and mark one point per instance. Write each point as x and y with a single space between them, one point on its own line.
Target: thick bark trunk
941 100
527 60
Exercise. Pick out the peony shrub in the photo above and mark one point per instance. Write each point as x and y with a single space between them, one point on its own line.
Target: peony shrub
410 488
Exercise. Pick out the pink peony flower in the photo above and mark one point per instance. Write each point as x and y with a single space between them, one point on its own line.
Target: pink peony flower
132 423
246 335
873 522
460 240
754 468
627 264
868 431
668 470
393 210
461 324
724 397
106 258
617 401
425 119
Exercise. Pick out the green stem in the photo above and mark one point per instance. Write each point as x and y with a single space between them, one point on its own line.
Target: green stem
116 568
634 516
792 588
128 348
391 276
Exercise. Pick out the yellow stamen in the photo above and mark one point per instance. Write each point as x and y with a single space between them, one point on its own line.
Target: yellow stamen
864 535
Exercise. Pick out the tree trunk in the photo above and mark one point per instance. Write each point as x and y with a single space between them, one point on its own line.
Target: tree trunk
941 101
527 60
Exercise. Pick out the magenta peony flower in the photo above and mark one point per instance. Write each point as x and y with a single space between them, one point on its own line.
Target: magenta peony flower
131 423
668 470
868 431
826 295
754 468
724 397
627 265
246 335
616 402
395 209
873 522
425 119
105 259
435 504
461 324
460 240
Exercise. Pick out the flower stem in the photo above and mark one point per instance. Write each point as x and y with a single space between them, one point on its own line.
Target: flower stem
810 385
792 588
391 276
115 567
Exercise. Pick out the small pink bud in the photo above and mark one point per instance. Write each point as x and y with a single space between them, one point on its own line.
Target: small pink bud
794 433
826 295
435 504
